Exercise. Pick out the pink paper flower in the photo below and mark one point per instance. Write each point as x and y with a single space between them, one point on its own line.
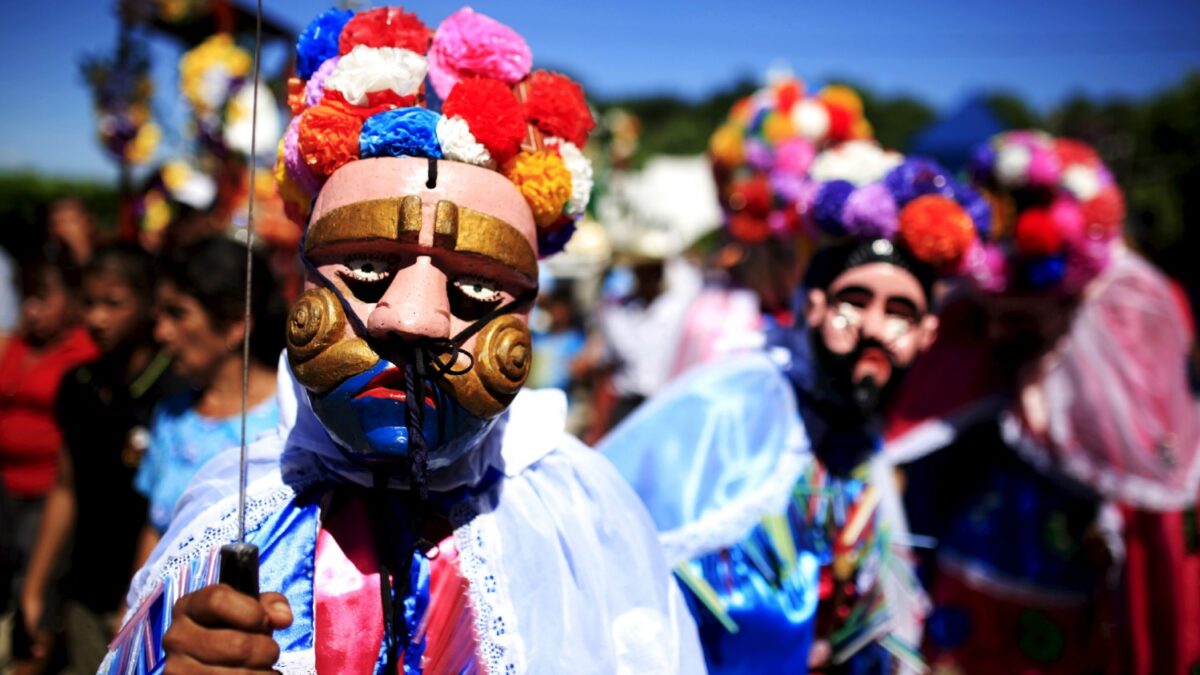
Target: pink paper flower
468 43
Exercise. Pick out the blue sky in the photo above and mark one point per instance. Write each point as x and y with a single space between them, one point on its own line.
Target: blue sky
938 51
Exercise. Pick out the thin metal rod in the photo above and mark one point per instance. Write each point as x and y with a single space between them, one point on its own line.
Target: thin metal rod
251 166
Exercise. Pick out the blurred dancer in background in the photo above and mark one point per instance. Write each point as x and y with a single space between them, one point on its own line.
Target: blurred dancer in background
761 471
1025 499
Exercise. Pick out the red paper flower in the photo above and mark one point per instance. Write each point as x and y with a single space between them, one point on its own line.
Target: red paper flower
752 195
788 95
556 106
1037 234
749 229
492 112
1071 151
328 138
377 102
1105 211
936 230
385 27
841 121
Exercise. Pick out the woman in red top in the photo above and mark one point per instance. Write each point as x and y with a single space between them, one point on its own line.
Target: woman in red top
50 342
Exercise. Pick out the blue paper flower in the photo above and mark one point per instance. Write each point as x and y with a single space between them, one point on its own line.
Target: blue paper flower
550 243
979 208
828 206
1045 272
319 41
983 158
403 132
915 177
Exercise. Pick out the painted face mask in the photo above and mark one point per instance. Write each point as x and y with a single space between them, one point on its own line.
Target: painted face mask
867 327
411 337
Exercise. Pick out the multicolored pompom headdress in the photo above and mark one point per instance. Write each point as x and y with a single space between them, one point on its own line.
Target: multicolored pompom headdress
762 154
873 204
360 93
1058 213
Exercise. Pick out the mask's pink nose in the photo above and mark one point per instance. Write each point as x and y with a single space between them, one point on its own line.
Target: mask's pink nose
414 306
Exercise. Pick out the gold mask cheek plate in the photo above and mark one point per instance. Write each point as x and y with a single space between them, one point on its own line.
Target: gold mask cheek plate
318 350
503 356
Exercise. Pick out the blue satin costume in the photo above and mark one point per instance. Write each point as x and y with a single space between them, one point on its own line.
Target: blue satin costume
748 516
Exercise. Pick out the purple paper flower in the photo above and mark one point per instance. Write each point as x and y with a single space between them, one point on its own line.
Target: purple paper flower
870 212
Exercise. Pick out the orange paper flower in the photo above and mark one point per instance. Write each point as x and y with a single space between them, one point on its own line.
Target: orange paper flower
328 139
936 230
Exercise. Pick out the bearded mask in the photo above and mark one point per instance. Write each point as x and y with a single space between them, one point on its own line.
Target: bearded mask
411 335
868 320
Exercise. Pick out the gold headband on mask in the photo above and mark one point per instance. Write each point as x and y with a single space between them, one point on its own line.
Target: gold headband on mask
455 228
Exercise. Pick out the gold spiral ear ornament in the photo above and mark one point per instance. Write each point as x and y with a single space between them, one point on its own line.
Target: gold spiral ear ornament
503 355
315 322
318 350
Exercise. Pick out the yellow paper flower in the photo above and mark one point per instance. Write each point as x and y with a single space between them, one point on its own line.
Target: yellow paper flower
157 212
206 71
778 128
726 145
839 94
142 147
545 182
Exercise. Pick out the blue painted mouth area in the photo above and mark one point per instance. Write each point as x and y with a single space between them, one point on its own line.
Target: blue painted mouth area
368 418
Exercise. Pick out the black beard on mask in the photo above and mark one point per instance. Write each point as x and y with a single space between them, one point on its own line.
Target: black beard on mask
856 401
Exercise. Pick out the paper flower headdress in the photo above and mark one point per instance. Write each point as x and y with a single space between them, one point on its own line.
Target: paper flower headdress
763 153
864 193
1059 213
360 93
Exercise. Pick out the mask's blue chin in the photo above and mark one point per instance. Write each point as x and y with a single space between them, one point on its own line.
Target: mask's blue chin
368 418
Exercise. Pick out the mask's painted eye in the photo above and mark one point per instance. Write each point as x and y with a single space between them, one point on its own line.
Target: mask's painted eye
477 289
368 269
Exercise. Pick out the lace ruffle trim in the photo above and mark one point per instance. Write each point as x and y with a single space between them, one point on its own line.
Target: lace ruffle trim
479 552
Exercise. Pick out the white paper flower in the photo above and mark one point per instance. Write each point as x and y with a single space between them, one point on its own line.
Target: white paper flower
811 119
459 144
1082 181
239 113
860 162
369 69
1012 165
581 175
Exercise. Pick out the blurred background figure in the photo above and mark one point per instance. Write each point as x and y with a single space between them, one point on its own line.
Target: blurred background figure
93 515
72 229
201 304
49 343
558 341
1056 401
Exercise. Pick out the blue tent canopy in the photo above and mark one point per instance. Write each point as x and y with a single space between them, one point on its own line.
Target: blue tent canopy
950 139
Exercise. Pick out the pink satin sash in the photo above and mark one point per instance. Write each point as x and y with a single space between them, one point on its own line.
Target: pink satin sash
349 615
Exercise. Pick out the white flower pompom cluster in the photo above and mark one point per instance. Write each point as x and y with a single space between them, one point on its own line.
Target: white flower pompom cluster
811 119
460 145
859 162
580 169
370 69
1081 181
1012 165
